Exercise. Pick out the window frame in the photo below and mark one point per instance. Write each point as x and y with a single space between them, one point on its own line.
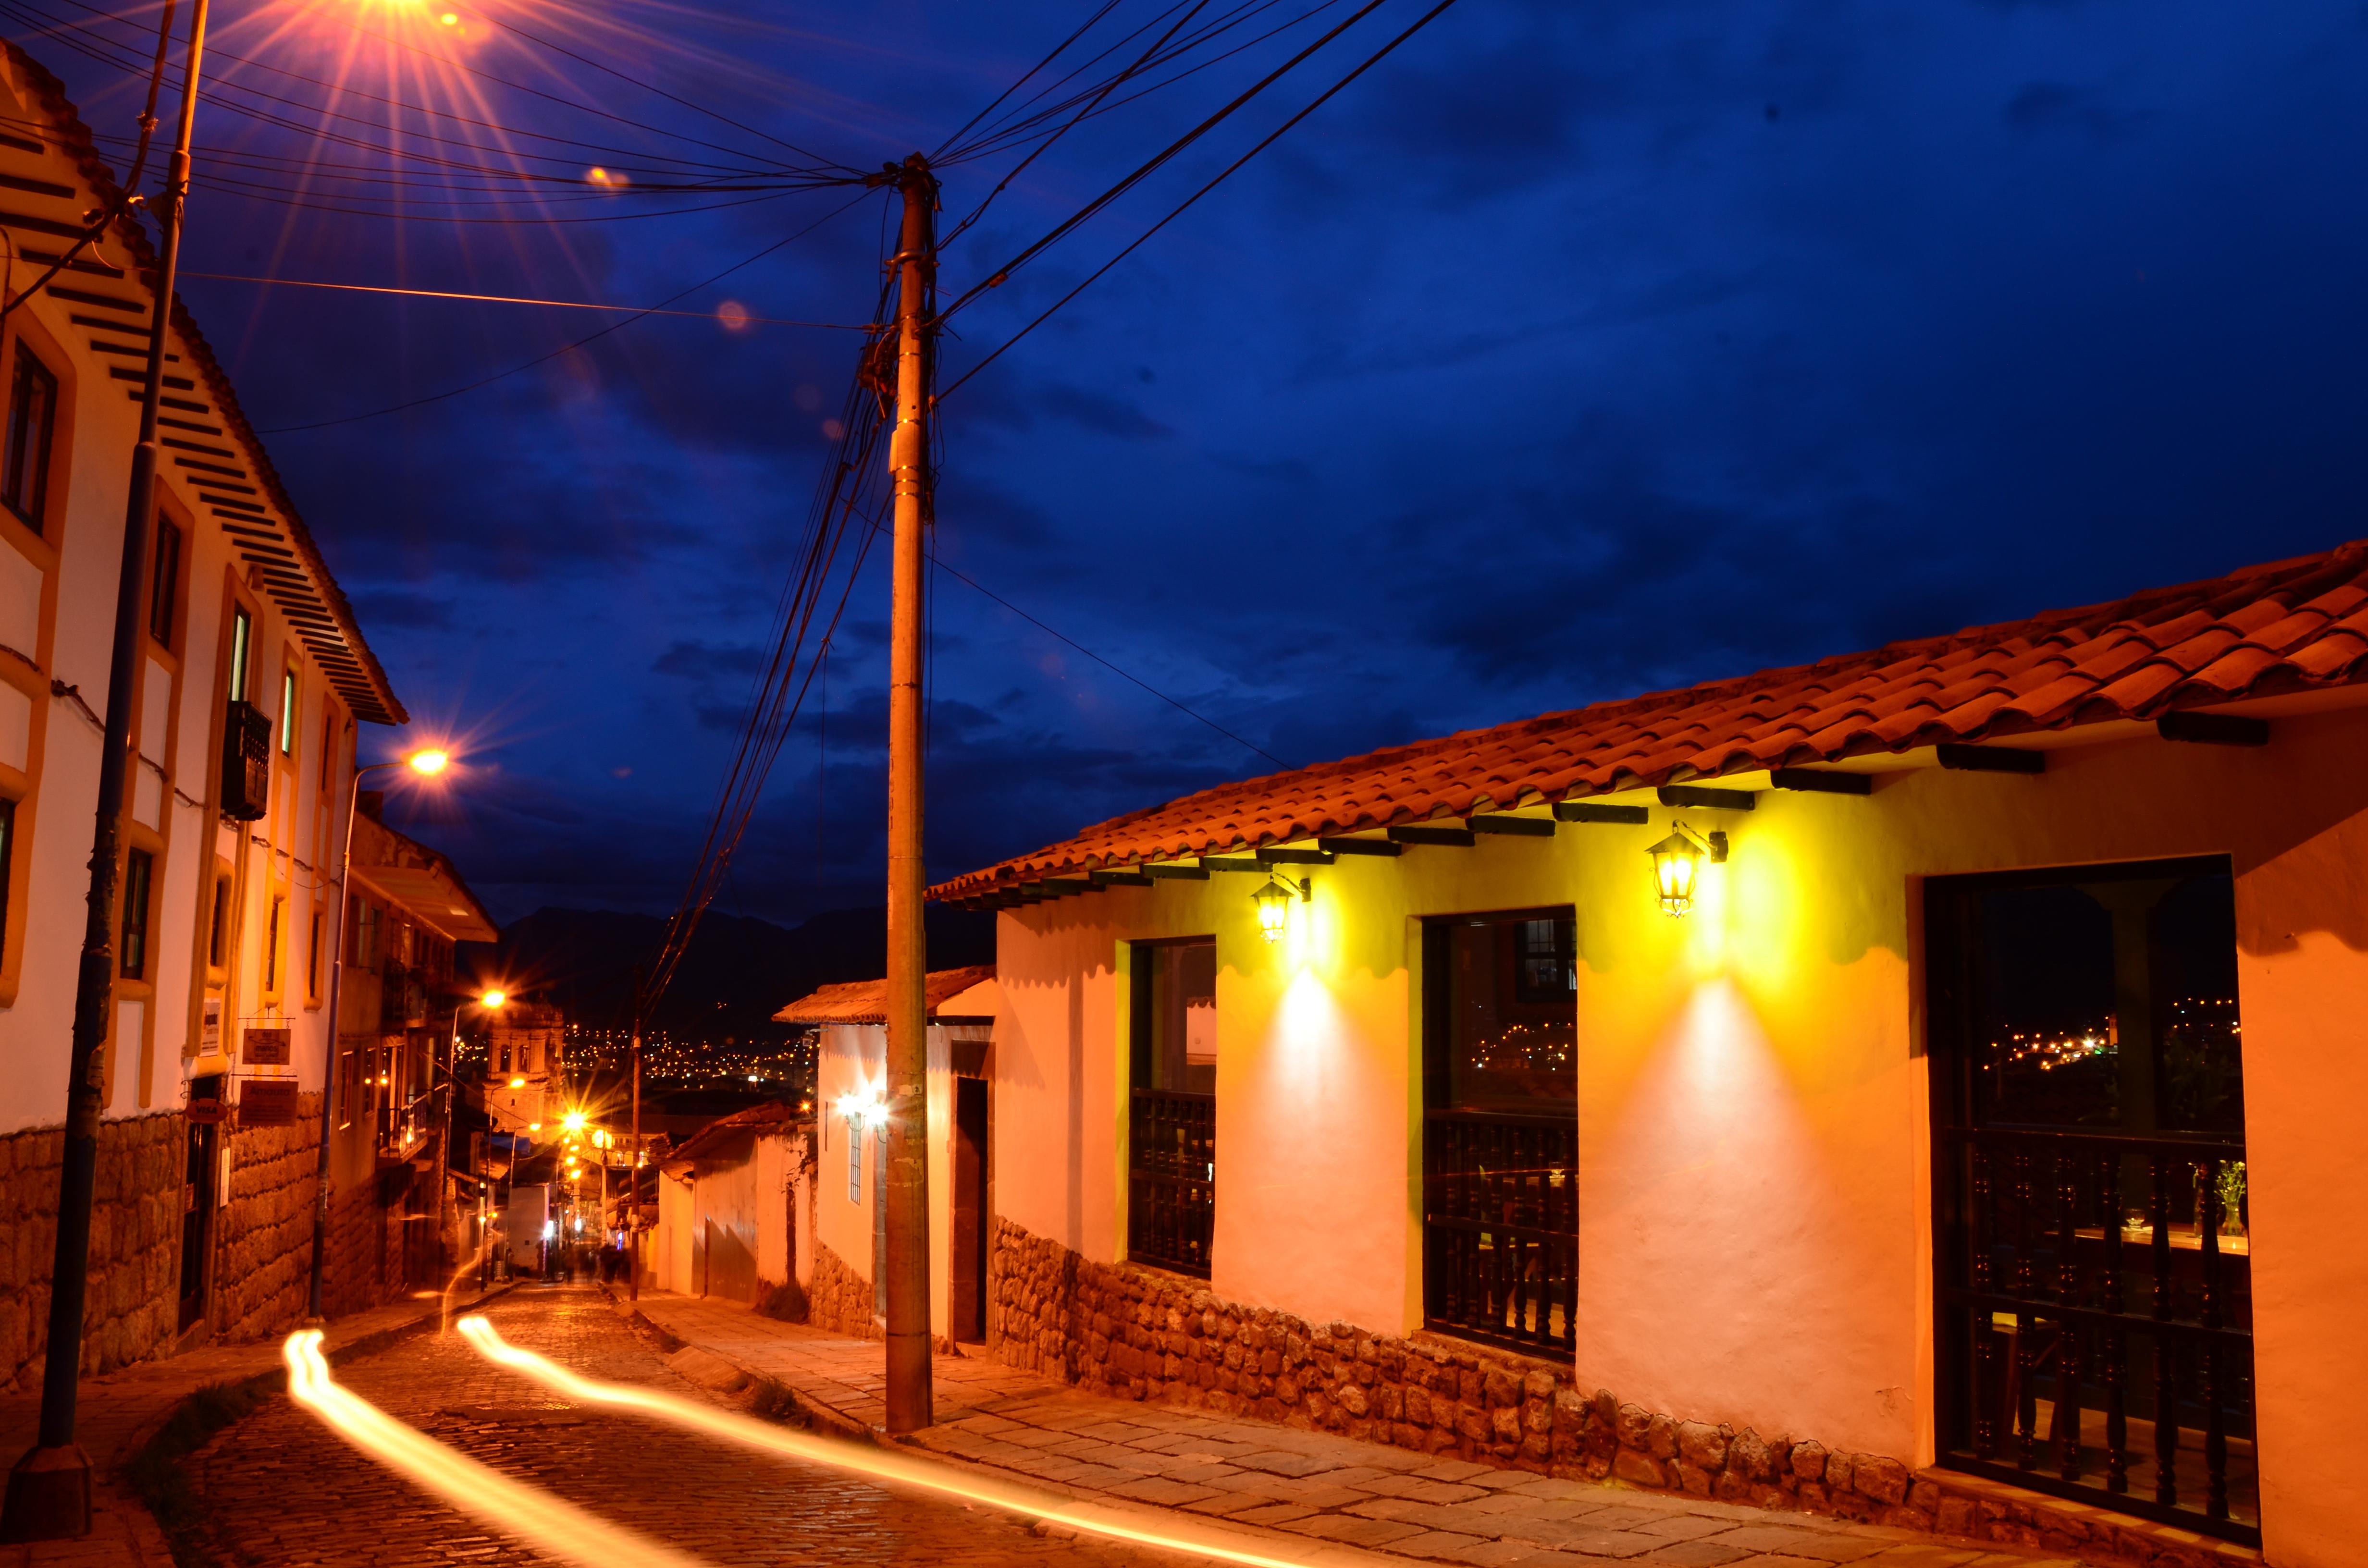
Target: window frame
242 651
136 908
14 435
291 692
164 582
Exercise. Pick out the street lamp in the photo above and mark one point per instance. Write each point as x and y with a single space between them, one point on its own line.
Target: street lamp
426 763
491 1000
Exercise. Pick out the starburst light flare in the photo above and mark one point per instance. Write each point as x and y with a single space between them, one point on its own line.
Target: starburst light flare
749 1432
526 1513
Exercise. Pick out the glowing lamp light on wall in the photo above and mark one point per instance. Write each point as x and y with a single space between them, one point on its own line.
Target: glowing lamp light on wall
863 1109
1274 901
1677 863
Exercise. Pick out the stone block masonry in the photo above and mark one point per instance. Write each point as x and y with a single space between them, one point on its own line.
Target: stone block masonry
135 1245
263 1265
840 1299
1143 1334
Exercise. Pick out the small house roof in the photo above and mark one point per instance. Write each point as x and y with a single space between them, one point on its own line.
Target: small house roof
2286 628
866 1000
756 1119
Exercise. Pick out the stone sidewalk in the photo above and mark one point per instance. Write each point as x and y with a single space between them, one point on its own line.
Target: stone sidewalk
1156 1458
120 1413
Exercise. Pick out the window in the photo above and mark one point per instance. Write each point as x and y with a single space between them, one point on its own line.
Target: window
1500 1127
218 933
139 871
164 580
362 949
328 737
242 647
7 853
313 960
2094 1316
32 429
287 712
1172 1111
271 947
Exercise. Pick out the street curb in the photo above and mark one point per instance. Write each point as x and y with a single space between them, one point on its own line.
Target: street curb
1123 1514
155 1450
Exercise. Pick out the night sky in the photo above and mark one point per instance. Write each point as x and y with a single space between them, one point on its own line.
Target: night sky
1580 348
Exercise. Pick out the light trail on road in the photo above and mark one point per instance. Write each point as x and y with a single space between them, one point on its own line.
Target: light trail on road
878 1464
526 1512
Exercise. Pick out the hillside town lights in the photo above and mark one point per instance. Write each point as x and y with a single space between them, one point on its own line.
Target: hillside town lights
1274 901
1677 865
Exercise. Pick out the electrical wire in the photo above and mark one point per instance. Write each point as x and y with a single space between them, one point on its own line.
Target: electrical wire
519 300
569 349
1088 652
1264 143
1159 160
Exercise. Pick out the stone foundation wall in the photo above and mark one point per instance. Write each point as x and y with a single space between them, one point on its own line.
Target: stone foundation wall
135 1245
264 1257
1136 1333
365 1265
840 1299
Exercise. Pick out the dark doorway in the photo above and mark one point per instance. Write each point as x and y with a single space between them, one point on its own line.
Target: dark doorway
966 1291
1500 1127
197 1199
2094 1262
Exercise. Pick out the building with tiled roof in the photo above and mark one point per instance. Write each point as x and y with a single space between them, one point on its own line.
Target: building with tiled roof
1917 1085
2292 628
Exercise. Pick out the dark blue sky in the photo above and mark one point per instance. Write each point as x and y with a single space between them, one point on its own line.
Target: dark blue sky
1578 349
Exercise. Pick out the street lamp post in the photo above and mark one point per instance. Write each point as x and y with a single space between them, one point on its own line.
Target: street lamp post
49 1489
489 999
427 763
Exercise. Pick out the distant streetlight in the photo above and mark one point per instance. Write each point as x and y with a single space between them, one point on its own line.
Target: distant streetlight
427 762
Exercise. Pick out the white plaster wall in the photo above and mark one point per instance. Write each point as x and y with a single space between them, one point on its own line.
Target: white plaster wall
1755 1160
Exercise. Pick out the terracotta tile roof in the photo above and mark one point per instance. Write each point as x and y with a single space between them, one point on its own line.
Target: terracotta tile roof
722 1131
2290 626
866 1000
353 668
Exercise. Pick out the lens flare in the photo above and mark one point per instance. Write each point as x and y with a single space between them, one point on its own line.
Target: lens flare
524 1513
880 1465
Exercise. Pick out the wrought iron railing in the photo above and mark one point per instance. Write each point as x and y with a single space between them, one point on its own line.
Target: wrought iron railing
1172 1179
1501 1228
2096 1322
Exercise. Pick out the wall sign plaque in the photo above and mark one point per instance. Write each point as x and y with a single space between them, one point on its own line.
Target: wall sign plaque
266 1102
266 1047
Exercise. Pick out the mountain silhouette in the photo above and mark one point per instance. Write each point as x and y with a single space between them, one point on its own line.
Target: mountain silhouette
738 973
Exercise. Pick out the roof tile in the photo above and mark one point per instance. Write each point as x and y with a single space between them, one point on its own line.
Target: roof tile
2272 628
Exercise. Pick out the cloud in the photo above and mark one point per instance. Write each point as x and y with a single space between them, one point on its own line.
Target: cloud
2039 107
696 661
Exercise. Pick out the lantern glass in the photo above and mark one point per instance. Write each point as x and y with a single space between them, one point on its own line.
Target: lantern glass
1273 903
1676 867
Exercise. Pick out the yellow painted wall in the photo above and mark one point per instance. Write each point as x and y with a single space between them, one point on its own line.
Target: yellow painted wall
1754 1163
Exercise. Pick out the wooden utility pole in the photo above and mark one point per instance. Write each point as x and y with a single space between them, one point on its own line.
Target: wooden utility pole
48 1494
907 1191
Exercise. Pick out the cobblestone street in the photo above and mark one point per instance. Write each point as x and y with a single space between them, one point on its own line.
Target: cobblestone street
279 1488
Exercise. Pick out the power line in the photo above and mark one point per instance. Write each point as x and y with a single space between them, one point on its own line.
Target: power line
569 348
1096 658
1268 140
519 300
1157 160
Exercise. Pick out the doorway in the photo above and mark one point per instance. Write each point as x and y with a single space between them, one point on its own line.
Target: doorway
197 1199
2094 1263
966 1290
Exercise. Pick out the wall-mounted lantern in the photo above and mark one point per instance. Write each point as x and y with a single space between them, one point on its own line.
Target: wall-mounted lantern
1677 865
1274 901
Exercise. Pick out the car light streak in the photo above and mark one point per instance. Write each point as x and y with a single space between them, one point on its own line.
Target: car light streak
526 1512
878 1464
